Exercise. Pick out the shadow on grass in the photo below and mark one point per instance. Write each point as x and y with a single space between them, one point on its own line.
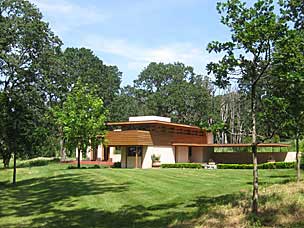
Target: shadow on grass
53 202
41 197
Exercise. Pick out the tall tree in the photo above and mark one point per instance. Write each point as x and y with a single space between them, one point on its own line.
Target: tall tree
26 43
80 64
247 57
83 118
289 64
174 90
126 104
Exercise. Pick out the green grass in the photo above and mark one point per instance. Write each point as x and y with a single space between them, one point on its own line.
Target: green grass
54 196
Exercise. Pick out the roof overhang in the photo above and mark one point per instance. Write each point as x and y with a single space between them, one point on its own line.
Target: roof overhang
153 122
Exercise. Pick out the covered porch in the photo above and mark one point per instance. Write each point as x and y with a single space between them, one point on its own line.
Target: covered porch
236 153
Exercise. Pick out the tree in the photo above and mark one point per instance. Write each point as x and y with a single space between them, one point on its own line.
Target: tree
289 64
26 44
173 90
82 118
248 57
126 104
80 64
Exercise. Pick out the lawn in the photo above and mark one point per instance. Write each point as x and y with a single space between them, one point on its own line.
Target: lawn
54 196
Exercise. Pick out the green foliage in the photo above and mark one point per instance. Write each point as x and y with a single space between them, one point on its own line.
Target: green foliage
81 65
269 165
172 90
182 165
82 118
116 165
155 158
88 167
27 48
37 162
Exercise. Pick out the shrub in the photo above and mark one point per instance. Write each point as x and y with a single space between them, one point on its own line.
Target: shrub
94 167
37 162
116 165
155 158
182 165
234 166
269 165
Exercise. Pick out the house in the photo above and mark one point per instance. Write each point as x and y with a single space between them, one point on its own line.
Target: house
134 142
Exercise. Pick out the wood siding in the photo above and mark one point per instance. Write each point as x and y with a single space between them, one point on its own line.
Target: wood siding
129 138
156 135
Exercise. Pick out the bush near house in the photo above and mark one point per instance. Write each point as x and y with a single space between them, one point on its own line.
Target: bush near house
270 165
41 161
116 165
182 165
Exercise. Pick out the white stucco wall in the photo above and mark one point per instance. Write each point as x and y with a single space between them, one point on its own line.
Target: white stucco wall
147 118
100 152
116 158
182 154
166 155
111 154
88 153
291 157
77 154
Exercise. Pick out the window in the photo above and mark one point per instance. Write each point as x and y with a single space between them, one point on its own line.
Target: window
132 151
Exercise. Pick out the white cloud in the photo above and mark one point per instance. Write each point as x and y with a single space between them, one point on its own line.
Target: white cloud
65 16
138 56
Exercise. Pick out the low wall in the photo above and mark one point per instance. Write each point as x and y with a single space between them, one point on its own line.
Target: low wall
246 158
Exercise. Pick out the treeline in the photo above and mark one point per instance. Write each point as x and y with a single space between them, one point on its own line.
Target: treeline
37 75
53 99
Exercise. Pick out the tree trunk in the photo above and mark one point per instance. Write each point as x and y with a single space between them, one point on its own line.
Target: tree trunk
255 193
78 158
62 150
15 168
298 157
6 160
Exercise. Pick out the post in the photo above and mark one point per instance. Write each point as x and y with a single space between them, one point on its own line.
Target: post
126 157
136 158
298 159
15 170
255 192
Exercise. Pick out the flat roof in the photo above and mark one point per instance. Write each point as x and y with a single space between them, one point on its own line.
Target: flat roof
233 145
152 122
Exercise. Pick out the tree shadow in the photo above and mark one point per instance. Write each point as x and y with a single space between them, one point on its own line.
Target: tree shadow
41 196
34 195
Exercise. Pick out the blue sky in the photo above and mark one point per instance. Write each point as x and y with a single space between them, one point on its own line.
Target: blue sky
132 33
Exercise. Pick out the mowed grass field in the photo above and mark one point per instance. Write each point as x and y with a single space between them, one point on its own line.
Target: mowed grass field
54 196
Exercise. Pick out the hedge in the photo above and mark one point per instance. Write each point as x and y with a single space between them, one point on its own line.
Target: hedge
182 165
37 162
88 167
116 165
269 165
